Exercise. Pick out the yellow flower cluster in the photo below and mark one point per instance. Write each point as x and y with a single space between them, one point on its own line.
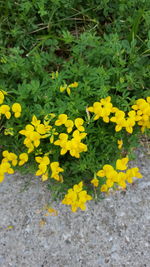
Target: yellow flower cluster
76 197
45 165
5 167
74 146
34 133
5 109
102 109
66 87
116 178
70 140
142 109
140 113
11 159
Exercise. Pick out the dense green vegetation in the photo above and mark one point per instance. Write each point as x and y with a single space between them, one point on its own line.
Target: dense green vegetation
103 45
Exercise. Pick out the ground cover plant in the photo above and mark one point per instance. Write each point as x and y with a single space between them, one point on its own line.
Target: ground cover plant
74 93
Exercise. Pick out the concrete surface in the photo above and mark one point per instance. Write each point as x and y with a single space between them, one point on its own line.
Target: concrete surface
115 232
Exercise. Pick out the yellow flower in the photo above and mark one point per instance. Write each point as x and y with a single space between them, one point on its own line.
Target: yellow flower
35 138
134 172
62 118
5 109
63 88
42 129
45 177
102 109
69 125
79 136
56 170
5 167
32 137
62 142
95 182
121 180
130 122
76 197
78 123
23 158
104 188
121 164
109 183
73 85
142 108
16 108
42 168
45 160
78 187
1 97
67 87
35 121
97 109
9 156
120 143
76 147
119 119
68 90
107 171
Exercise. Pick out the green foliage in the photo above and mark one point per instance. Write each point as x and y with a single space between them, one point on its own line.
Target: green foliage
103 45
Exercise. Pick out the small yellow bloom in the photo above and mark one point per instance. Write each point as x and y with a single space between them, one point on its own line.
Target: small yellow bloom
55 168
68 90
5 109
109 183
23 158
5 167
121 164
35 121
45 177
45 160
95 182
78 123
63 88
104 188
76 197
107 171
120 143
67 87
69 125
9 157
73 85
42 129
62 118
16 108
